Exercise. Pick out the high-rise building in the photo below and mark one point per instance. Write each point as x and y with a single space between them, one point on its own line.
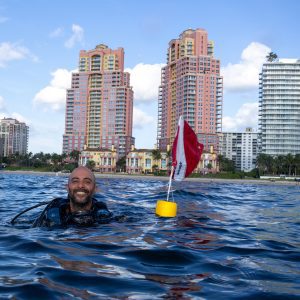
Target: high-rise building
99 105
240 147
13 137
279 107
191 86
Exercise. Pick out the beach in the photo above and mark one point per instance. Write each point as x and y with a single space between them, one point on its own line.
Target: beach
163 178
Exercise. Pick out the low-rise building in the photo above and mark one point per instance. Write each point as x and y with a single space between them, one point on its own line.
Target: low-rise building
105 160
143 161
208 163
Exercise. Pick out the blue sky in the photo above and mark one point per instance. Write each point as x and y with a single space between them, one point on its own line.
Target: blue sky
40 42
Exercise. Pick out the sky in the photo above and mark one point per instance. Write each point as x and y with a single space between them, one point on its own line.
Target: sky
40 42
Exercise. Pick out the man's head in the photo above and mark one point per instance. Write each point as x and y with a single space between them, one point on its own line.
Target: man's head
81 188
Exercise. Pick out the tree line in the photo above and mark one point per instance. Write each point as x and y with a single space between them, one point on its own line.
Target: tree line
50 162
58 162
275 165
265 164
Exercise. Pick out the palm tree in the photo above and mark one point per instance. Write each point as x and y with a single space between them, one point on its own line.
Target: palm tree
297 163
47 157
56 158
209 166
221 162
29 158
225 164
169 158
90 164
40 159
63 157
279 163
289 160
271 57
155 169
261 163
121 164
74 154
156 155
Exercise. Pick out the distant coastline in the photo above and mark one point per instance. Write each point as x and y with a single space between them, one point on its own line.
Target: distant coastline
164 178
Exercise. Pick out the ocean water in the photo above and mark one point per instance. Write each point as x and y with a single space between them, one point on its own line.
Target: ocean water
228 241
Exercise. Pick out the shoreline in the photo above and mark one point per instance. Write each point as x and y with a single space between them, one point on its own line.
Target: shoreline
162 178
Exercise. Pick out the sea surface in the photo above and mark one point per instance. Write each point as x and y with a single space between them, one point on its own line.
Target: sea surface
228 241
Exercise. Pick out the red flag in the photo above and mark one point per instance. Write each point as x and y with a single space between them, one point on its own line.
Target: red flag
186 151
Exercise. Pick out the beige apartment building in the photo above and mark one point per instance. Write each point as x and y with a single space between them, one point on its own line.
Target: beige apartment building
191 86
13 137
99 104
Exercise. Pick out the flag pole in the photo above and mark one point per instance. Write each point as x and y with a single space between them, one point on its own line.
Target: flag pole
186 153
170 182
167 208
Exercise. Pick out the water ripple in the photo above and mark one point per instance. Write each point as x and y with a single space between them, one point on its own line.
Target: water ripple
228 241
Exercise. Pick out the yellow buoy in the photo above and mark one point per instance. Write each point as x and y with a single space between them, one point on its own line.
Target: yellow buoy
166 209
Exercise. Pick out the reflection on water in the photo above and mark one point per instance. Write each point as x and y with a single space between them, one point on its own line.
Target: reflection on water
228 241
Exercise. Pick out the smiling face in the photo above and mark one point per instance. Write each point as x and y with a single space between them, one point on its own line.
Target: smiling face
81 188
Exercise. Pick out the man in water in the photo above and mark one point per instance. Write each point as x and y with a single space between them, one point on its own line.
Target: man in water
80 208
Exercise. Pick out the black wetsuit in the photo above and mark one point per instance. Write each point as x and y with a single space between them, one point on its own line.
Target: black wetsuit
57 213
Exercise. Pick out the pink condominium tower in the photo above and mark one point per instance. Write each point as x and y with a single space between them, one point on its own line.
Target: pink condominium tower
191 86
99 103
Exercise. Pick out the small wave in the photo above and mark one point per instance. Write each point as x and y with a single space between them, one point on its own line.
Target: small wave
230 241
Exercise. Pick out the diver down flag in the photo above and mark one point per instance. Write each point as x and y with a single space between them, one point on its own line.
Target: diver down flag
186 151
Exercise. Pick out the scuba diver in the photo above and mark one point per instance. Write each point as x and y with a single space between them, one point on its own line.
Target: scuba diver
79 209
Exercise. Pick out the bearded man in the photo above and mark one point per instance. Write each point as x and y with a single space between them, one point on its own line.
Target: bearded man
80 207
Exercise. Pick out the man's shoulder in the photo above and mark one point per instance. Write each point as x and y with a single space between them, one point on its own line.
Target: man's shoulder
102 212
99 204
57 202
51 215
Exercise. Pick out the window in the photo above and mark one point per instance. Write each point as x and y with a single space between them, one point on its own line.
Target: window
148 163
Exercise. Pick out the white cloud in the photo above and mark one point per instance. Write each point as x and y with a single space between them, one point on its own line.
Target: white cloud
20 118
77 36
57 32
16 116
245 117
54 95
140 118
61 78
245 74
5 114
145 79
10 52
